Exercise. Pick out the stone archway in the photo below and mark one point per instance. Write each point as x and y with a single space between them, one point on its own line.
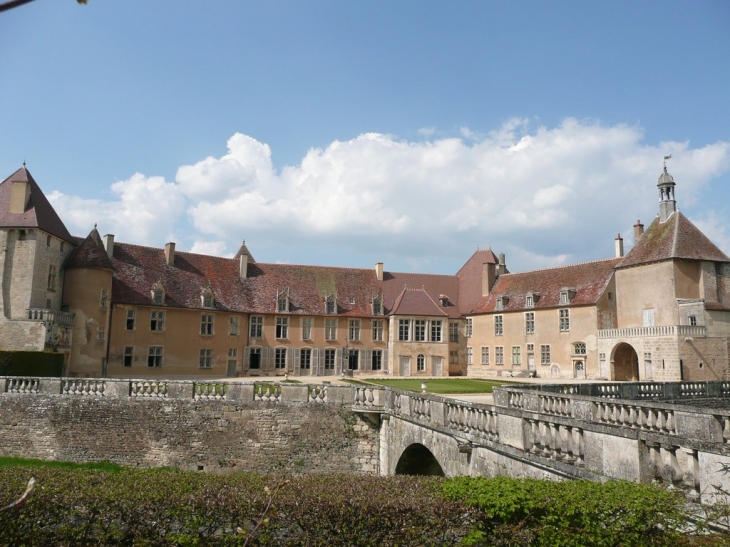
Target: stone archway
625 363
418 460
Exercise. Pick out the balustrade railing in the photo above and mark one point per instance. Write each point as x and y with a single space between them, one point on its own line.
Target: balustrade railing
83 386
62 318
666 330
209 390
148 388
634 416
364 397
268 393
556 441
22 385
421 408
317 394
471 420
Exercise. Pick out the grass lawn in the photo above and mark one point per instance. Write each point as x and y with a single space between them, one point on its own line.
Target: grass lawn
438 386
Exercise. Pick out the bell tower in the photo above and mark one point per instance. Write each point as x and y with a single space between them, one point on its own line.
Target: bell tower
667 203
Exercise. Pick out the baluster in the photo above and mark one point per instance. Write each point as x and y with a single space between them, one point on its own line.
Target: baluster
671 471
691 476
371 397
567 434
535 440
546 435
578 446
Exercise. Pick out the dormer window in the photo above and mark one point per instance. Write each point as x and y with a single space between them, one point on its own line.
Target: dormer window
529 301
158 294
566 295
444 300
330 304
282 302
207 298
352 301
501 302
377 305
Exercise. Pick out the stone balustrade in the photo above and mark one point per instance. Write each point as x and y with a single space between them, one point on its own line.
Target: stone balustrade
667 330
62 318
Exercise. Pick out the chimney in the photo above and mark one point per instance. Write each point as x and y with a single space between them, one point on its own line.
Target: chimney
243 266
170 254
379 271
502 266
638 230
109 245
19 194
619 246
489 276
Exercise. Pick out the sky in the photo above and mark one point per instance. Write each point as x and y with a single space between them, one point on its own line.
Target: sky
348 133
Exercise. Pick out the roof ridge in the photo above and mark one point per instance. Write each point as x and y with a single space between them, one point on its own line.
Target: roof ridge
564 266
675 237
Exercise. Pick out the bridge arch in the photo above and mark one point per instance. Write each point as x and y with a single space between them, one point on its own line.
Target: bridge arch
416 459
624 363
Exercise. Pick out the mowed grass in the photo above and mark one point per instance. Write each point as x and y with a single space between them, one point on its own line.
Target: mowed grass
7 461
443 386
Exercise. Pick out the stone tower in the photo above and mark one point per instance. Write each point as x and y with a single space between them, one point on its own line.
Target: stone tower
667 203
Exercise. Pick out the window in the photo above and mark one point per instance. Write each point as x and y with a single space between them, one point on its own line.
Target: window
579 348
329 359
100 334
647 361
420 363
377 359
377 305
131 316
529 301
530 348
352 301
21 235
499 355
206 324
207 299
206 358
280 358
693 320
516 355
305 358
154 356
469 356
498 325
453 357
500 304
232 359
530 322
330 305
103 298
157 321
233 326
454 332
330 329
647 317
128 356
419 330
404 326
564 297
545 354
564 320
354 333
282 303
52 277
62 246
377 330
282 327
48 241
255 358
257 326
485 355
435 331
306 328
158 294
468 327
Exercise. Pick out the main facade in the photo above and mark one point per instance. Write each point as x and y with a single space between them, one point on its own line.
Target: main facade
122 310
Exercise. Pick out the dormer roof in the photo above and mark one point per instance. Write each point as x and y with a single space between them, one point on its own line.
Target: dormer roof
90 254
39 213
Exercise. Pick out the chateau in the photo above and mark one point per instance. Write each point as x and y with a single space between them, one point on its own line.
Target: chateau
661 312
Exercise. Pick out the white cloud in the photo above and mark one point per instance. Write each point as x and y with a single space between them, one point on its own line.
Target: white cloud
548 195
215 248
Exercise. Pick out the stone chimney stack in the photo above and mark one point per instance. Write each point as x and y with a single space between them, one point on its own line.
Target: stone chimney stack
19 195
170 254
109 245
489 277
619 246
243 266
379 271
638 231
502 269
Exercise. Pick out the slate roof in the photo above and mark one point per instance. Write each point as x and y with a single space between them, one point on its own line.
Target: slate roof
675 238
589 280
416 302
38 214
90 253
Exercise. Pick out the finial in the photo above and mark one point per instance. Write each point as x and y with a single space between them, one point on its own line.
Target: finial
23 163
94 225
669 157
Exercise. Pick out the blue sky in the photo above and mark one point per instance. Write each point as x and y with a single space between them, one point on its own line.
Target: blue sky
346 133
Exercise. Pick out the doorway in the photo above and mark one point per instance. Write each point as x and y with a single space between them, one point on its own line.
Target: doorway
625 363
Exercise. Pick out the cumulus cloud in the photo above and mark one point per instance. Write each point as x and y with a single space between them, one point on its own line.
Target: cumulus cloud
548 196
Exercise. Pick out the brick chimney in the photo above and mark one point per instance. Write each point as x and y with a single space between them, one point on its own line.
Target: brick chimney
619 246
109 245
489 276
19 195
379 271
243 266
170 254
502 269
638 231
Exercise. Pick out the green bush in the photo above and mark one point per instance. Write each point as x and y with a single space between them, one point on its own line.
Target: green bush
569 513
31 363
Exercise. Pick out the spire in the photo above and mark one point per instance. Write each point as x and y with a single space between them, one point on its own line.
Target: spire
667 203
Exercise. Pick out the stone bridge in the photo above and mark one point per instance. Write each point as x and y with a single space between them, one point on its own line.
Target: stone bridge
678 433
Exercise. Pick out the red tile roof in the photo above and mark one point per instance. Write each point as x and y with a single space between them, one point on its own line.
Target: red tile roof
38 214
716 306
435 285
470 279
89 254
589 281
416 302
675 238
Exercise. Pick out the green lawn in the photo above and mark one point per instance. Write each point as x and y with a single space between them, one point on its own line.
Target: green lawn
438 386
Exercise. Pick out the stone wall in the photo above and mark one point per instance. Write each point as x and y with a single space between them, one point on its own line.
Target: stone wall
236 434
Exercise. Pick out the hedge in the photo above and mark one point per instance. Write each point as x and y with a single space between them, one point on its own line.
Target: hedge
31 363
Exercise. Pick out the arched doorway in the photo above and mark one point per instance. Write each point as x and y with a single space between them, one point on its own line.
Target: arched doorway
418 460
625 363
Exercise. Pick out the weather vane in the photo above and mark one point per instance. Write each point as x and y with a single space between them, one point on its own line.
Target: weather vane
669 157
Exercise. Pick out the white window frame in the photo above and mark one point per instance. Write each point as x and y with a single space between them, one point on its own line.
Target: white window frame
233 325
517 355
419 330
469 327
157 321
453 332
485 355
545 355
530 322
377 325
256 327
498 325
205 359
306 328
206 324
354 330
330 329
499 355
469 355
282 328
128 356
155 356
564 316
436 330
404 330
131 319
377 359
280 358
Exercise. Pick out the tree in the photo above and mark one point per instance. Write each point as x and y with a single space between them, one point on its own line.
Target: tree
10 4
